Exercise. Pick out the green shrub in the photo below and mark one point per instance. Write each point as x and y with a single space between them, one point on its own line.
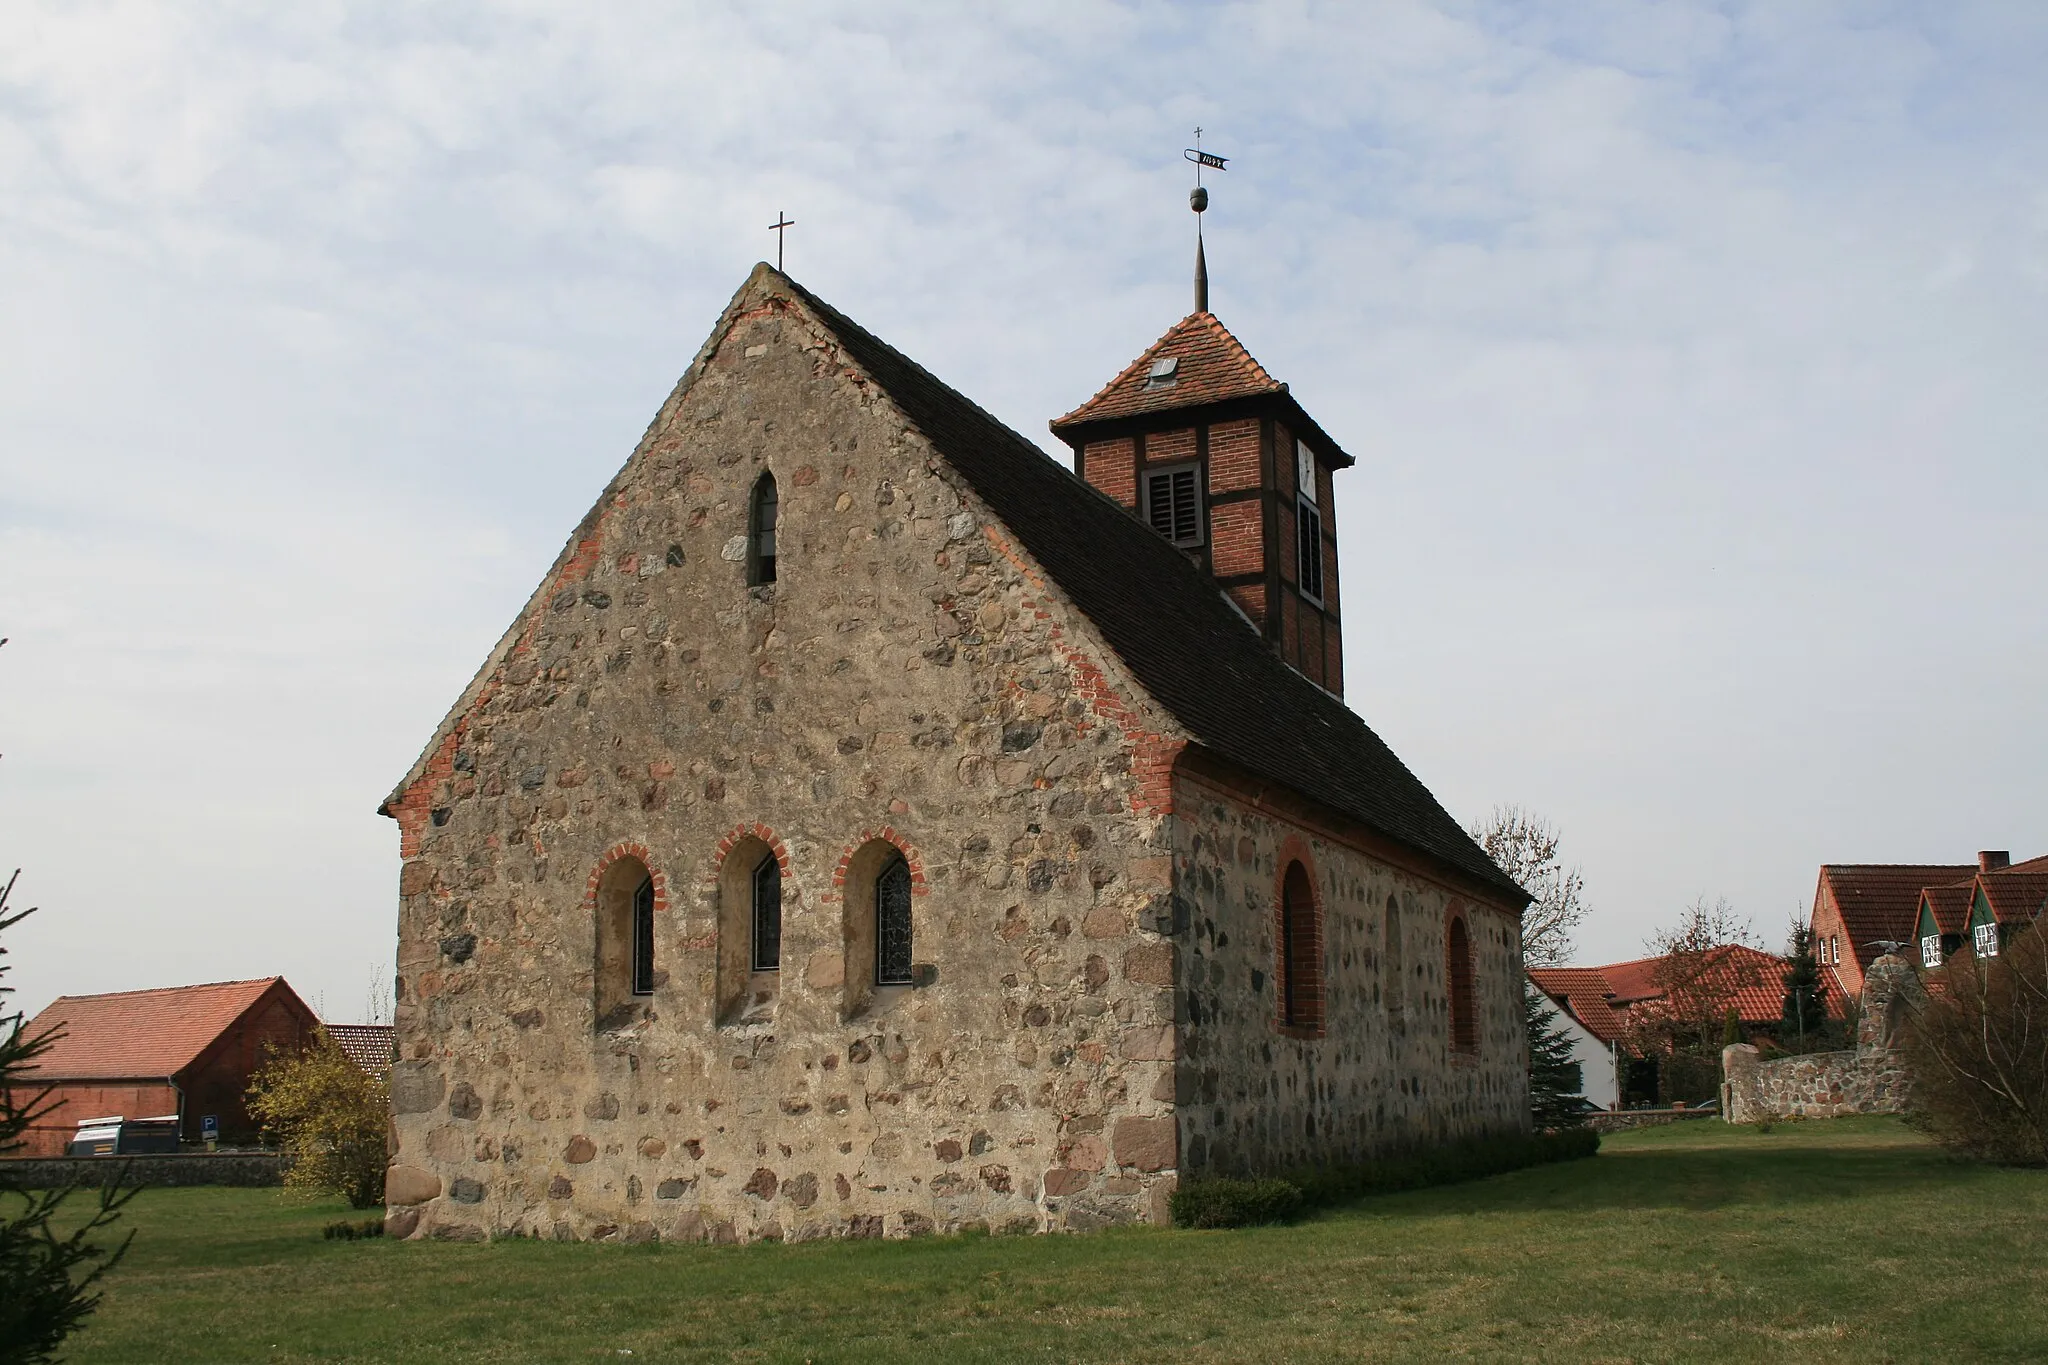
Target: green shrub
347 1231
1224 1202
1228 1203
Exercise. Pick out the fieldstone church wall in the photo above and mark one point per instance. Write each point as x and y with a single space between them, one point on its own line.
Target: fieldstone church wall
906 682
1379 1074
1870 1078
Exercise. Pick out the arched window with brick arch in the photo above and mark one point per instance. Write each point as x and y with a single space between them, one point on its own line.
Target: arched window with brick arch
763 512
879 882
1458 986
624 899
752 867
1300 951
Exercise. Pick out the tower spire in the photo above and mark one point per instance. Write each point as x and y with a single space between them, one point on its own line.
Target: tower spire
1198 200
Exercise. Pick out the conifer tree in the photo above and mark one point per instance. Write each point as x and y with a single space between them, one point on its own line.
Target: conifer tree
1804 1013
46 1279
1555 1079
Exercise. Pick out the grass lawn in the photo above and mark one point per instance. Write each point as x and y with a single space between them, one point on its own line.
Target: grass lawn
1844 1240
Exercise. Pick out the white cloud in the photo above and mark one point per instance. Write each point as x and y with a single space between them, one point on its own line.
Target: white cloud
1688 352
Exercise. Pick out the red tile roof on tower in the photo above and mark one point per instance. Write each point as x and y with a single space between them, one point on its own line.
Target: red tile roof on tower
367 1045
1212 366
1880 901
142 1035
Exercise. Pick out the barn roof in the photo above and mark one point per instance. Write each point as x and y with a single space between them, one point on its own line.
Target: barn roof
150 1034
367 1045
1169 623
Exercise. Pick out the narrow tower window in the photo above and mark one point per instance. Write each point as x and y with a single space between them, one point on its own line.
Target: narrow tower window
767 953
643 938
892 925
1173 503
761 533
1308 534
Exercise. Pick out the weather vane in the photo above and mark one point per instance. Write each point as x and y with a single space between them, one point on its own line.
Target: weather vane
1198 200
782 221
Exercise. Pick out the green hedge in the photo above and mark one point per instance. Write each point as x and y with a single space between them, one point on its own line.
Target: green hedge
1225 1202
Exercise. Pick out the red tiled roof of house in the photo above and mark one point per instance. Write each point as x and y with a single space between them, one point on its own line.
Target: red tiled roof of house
2016 893
1583 992
1880 901
137 1035
1212 366
1601 997
1951 906
367 1045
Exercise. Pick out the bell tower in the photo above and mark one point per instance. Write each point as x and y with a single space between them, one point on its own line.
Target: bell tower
1213 453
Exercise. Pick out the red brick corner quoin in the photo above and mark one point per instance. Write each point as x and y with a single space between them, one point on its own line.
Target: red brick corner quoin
1154 754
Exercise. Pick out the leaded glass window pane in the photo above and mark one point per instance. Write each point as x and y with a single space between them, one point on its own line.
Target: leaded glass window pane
768 915
892 925
643 939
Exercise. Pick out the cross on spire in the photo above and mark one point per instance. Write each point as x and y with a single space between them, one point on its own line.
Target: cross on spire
781 222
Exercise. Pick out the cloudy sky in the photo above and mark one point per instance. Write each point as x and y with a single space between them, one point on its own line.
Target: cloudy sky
1693 355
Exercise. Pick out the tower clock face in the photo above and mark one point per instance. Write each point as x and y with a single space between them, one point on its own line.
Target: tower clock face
1305 470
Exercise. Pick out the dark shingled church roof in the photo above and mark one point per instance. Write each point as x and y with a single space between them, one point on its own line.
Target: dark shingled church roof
1169 622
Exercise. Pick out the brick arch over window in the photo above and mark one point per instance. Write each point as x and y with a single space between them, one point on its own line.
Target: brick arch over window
1298 940
1459 988
752 884
857 888
626 897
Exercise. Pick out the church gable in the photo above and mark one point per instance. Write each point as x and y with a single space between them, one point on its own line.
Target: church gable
838 814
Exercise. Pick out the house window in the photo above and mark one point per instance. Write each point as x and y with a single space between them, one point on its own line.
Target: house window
1984 938
1458 979
643 938
1308 538
767 936
762 515
1173 503
892 925
1930 950
1301 953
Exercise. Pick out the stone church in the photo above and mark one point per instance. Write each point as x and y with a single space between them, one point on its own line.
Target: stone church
870 827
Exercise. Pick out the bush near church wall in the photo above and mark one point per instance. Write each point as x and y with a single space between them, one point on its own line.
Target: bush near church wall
1226 1202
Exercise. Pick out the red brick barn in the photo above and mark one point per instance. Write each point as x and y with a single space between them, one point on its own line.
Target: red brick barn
184 1050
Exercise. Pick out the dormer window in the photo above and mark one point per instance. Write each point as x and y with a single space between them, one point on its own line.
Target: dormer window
1165 373
1173 503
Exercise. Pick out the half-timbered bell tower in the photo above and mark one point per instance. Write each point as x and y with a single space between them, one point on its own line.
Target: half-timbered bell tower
1216 455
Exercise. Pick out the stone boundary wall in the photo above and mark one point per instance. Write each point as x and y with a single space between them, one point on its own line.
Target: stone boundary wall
244 1169
1620 1120
1870 1078
1818 1085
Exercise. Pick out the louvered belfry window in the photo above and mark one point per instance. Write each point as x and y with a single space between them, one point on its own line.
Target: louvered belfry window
1173 503
892 925
1308 534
